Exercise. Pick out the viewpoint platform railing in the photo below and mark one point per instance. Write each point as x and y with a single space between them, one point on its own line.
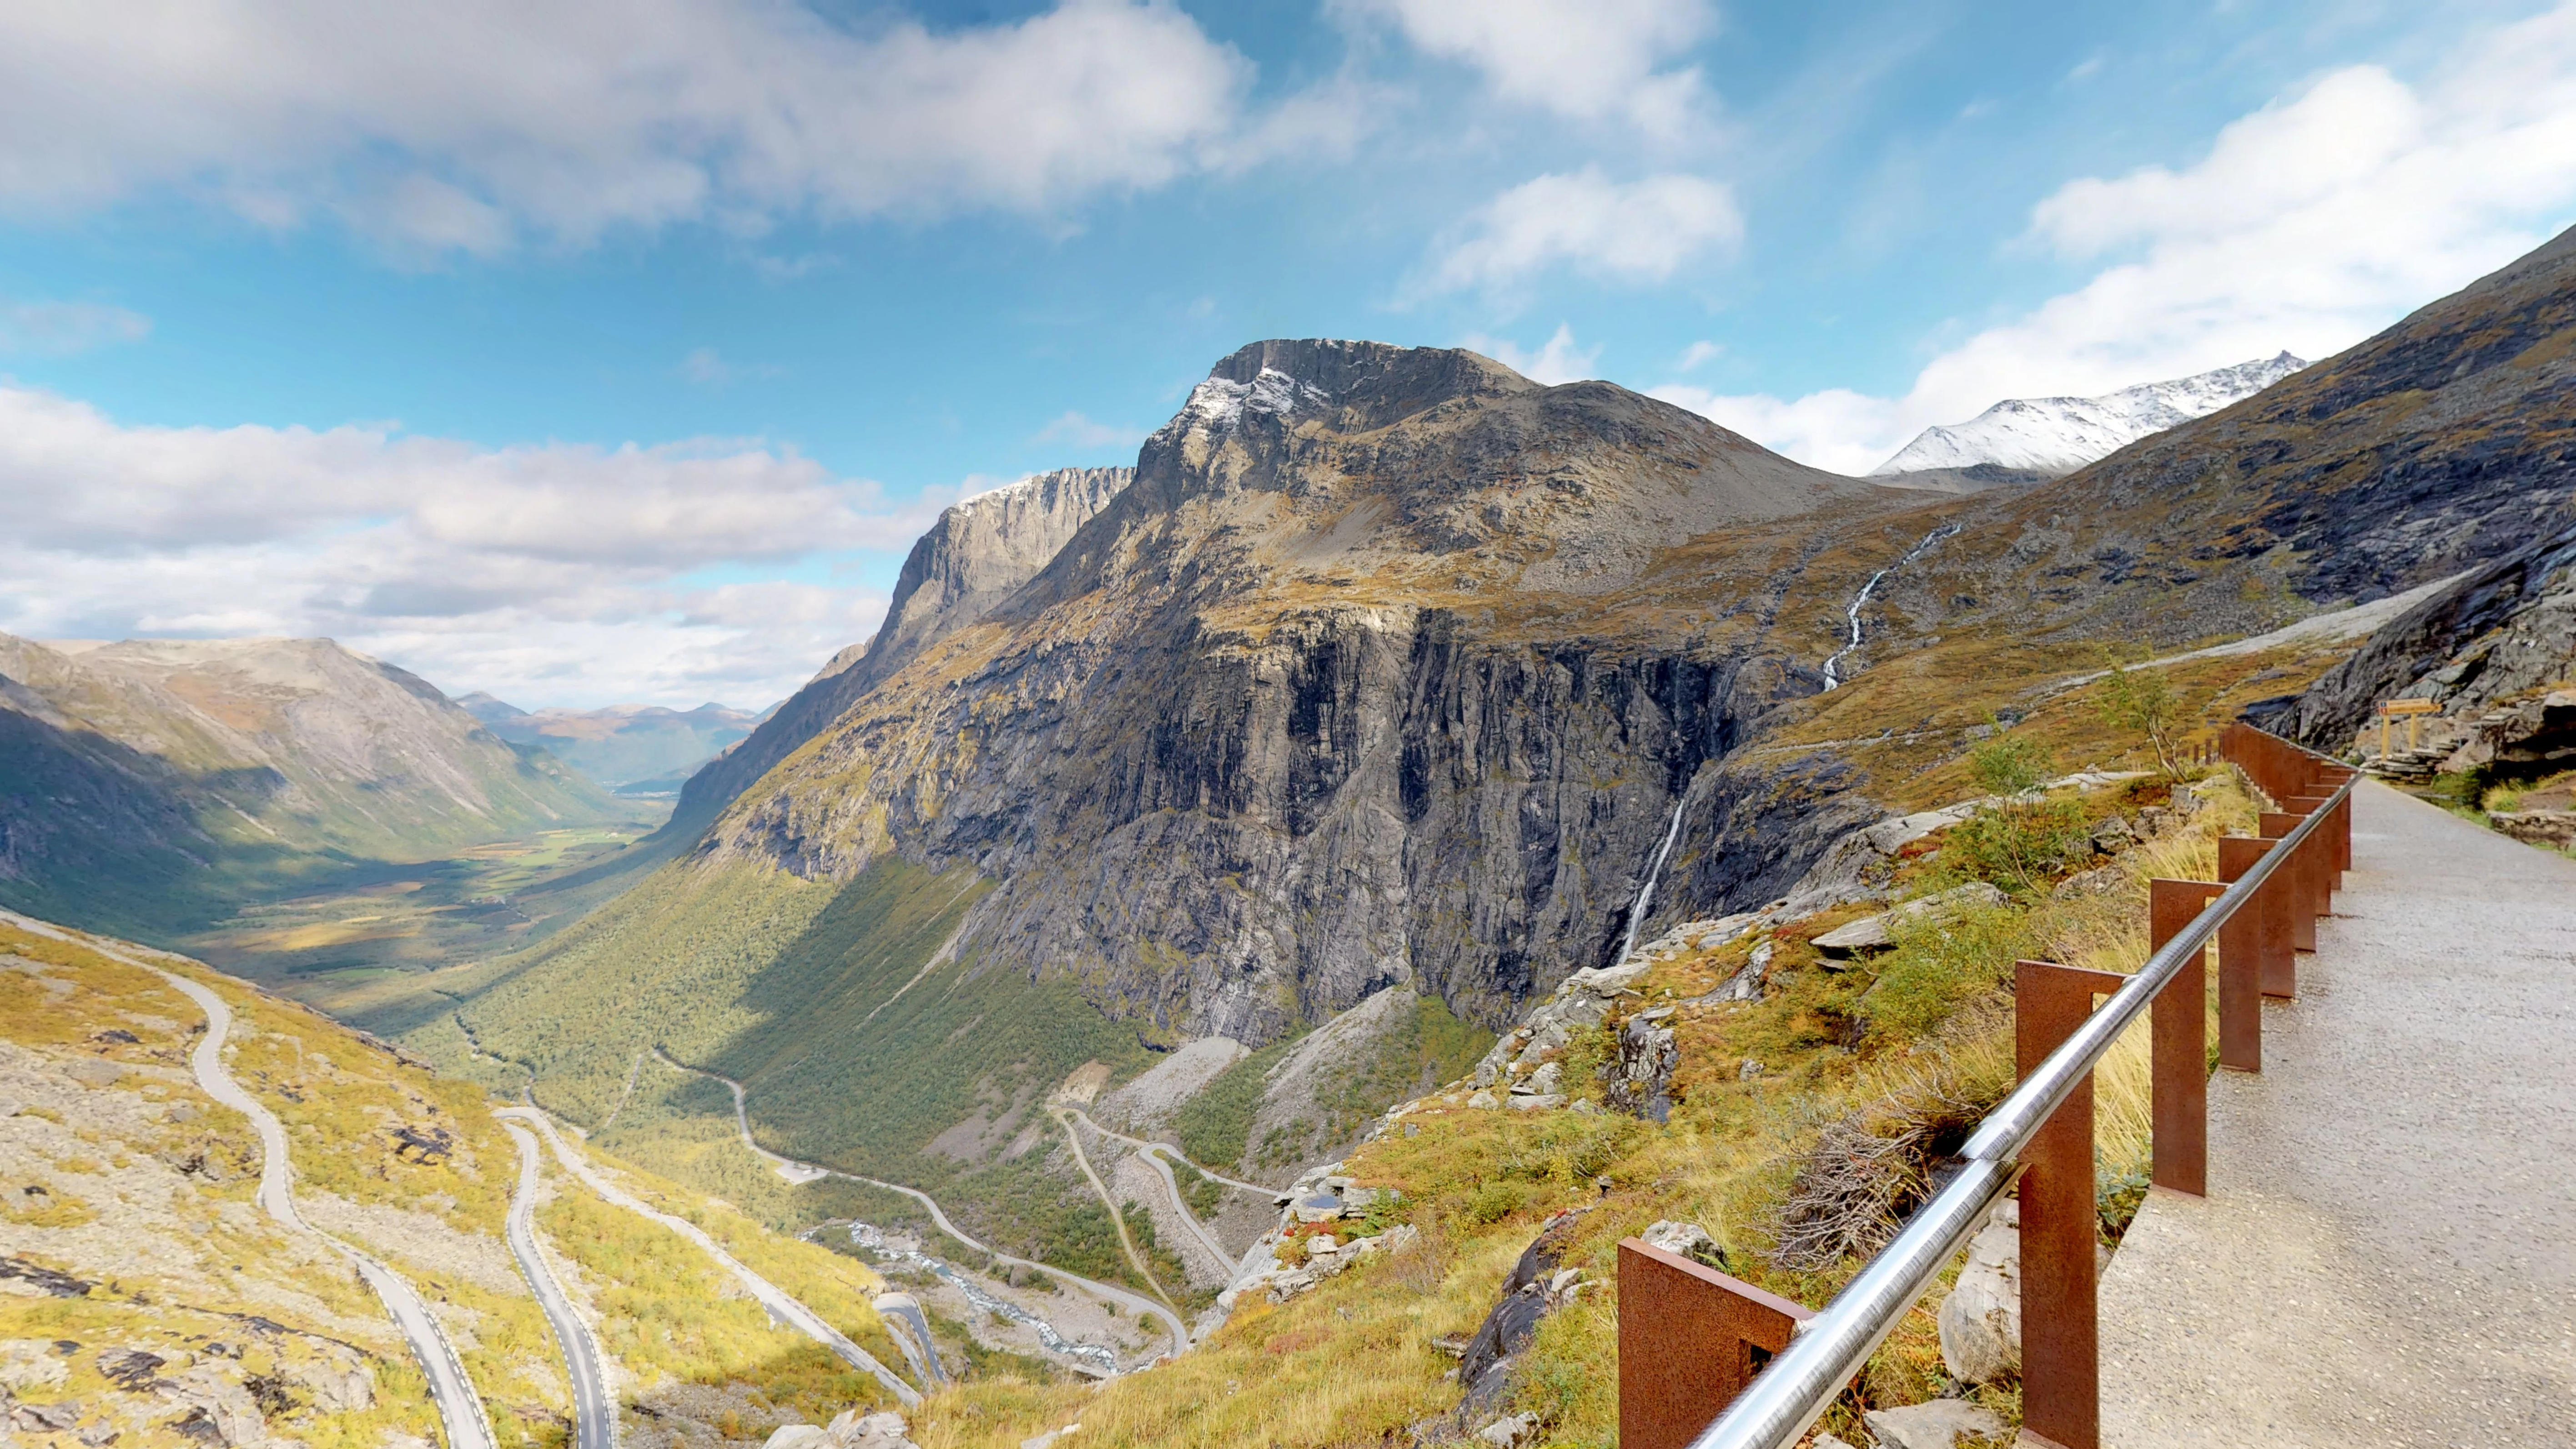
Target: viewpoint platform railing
1708 1362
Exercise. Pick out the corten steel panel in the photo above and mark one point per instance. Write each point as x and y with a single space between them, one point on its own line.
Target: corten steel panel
2319 864
1690 1339
2240 964
2179 1022
2061 1370
2298 882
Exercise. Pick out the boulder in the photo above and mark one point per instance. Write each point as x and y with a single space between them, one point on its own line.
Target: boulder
1509 1433
2539 827
1936 1425
1545 1080
795 1436
94 1072
1687 1240
339 1384
882 1430
1484 1099
2114 835
1981 1319
1543 1102
1859 865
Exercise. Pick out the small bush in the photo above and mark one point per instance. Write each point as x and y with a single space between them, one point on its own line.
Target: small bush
1940 962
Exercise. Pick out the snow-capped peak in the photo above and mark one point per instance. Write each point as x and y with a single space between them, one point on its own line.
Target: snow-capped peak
2057 435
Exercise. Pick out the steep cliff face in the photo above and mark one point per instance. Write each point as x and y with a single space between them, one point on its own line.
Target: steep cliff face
1354 685
975 556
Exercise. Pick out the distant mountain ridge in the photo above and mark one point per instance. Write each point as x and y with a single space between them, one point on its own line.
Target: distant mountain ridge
621 745
2054 436
142 782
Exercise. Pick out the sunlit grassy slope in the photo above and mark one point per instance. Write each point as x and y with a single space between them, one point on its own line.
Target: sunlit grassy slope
144 1189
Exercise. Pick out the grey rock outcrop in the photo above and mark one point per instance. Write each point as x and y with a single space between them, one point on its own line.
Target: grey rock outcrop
1940 1424
1980 1321
1878 932
1640 1075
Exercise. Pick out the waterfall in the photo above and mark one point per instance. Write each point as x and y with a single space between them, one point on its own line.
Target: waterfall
1833 665
1646 893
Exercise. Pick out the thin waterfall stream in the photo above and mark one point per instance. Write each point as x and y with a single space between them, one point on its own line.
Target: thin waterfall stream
1646 893
1833 665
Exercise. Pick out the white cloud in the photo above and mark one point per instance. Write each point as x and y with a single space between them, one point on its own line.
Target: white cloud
471 125
1636 231
551 573
1587 59
2310 224
1559 361
1072 427
1697 353
60 328
708 368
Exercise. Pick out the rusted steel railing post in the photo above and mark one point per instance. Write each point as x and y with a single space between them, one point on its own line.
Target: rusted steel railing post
1690 1339
2298 890
2061 1371
2179 1023
2240 964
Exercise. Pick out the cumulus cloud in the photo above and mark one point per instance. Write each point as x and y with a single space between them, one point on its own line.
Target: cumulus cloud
2309 224
1558 361
553 573
61 328
1636 231
1587 59
415 126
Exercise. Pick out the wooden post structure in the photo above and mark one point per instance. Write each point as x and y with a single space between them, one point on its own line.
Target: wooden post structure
2061 1369
1690 1339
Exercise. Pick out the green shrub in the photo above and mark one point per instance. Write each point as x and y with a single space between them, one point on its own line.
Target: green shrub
1941 961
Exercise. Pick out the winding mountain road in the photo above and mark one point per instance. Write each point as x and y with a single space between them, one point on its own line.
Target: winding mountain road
1117 1219
460 1409
1152 1154
803 1172
594 1426
782 1307
1174 1152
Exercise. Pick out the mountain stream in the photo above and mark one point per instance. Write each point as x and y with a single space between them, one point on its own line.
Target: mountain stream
1860 601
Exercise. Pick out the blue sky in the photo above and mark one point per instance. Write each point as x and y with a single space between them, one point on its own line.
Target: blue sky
588 352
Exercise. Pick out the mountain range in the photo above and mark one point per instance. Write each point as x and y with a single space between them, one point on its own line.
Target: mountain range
2053 436
1384 678
634 749
1274 796
149 784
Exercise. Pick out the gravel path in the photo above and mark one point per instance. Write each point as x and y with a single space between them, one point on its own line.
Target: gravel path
2387 1254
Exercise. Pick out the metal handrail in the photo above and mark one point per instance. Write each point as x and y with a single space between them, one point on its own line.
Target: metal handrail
1802 1381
